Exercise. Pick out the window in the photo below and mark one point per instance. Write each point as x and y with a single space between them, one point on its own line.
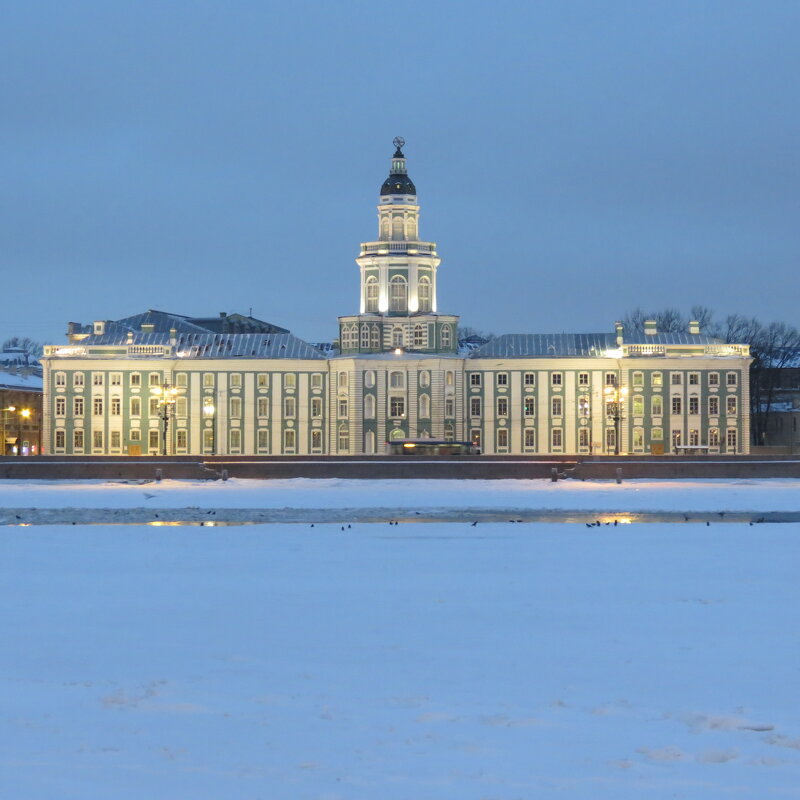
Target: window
290 380
181 379
449 378
289 439
262 406
446 336
397 380
365 337
316 380
424 406
556 437
77 439
638 440
694 404
116 406
208 407
475 379
637 405
419 336
77 380
529 379
502 438
61 406
181 439
97 406
730 405
730 438
97 439
694 437
77 407
449 432
449 407
262 380
398 294
732 379
611 440
556 379
208 440
583 405
713 406
502 379
657 434
529 439
97 379
61 439
262 439
611 378
154 379
475 437
676 378
154 406
713 437
657 379
638 378
475 406
344 438
694 379
236 438
236 380
397 407
397 336
61 380
136 379
208 380
136 406
371 294
676 439
502 406
342 380
116 440
374 337
556 405
529 406
676 405
657 405
424 294
583 438
343 408
236 406
116 378
425 378
181 407
713 378
289 407
316 440
369 406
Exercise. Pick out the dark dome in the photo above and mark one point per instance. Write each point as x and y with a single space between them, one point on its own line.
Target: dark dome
398 183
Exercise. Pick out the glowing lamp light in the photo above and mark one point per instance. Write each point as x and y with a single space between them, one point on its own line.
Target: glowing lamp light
398 351
26 412
409 445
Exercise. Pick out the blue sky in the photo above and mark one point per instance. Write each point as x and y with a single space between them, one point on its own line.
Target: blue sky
573 160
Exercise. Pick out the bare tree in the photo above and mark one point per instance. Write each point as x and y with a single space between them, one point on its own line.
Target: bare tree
23 343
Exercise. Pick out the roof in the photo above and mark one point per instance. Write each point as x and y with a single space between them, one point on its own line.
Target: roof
533 345
20 381
398 181
679 337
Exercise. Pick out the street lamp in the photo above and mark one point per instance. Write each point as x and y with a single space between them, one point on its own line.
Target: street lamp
167 395
209 413
24 413
615 397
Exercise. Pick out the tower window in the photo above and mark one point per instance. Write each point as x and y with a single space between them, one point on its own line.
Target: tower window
371 294
424 294
398 294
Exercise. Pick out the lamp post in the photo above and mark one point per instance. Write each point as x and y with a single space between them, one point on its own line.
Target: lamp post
24 413
615 397
167 395
209 412
5 425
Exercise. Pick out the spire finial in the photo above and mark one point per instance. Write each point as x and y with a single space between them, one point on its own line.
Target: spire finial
399 143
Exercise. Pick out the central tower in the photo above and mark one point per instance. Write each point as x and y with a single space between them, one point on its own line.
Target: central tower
398 304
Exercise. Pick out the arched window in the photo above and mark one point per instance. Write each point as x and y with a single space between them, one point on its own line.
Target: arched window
449 432
424 293
385 228
419 336
411 229
365 337
369 442
397 336
344 438
424 406
397 229
371 294
375 338
445 336
397 380
398 294
369 406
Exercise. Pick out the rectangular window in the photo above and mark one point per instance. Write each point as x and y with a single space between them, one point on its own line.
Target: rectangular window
732 379
181 379
637 405
77 380
61 406
397 380
611 378
556 379
77 407
343 408
475 379
136 379
97 379
713 378
583 379
263 439
116 406
657 434
116 379
154 407
342 380
529 379
730 439
475 437
97 406
397 407
502 438
638 440
316 441
713 437
530 438
676 405
208 380
61 439
155 378
529 406
502 379
262 380
677 378
97 440
676 439
657 379
657 405
713 406
611 440
583 405
694 437
236 380
502 406
289 438
77 439
152 439
208 440
263 406
181 407
694 405
475 406
556 406
289 407
61 380
449 407
556 437
694 379
136 406
236 438
730 404
135 435
116 439
182 439
236 407
316 407
290 381
638 378
344 439
583 438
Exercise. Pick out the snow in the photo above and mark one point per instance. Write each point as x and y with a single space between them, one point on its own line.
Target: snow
439 660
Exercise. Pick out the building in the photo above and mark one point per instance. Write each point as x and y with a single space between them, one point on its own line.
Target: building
168 383
20 402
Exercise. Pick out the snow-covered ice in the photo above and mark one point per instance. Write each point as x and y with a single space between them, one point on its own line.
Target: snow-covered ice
497 662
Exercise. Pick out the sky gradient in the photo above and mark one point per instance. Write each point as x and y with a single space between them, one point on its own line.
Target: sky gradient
573 160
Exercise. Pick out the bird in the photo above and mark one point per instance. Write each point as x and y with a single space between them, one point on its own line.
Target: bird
348 525
312 524
721 513
707 522
342 527
686 518
474 524
615 523
148 495
589 526
17 516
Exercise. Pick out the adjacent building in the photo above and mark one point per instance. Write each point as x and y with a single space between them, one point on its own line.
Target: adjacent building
168 383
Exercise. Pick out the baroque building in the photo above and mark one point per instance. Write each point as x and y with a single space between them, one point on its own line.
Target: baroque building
167 383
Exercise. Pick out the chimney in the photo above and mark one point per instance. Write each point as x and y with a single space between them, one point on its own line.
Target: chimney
99 328
618 328
223 314
694 327
650 327
130 337
173 336
73 328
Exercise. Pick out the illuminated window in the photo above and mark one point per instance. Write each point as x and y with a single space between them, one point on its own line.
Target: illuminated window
236 380
713 437
397 407
657 434
638 378
398 294
638 440
208 380
694 437
371 294
637 405
657 406
657 379
424 294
